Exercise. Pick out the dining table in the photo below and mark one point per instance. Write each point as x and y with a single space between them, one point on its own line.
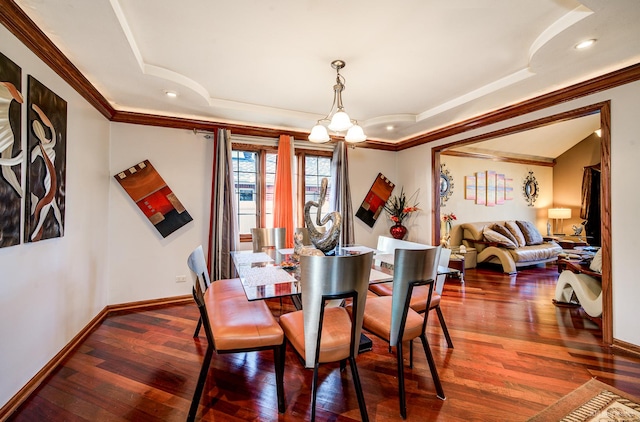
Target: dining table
273 273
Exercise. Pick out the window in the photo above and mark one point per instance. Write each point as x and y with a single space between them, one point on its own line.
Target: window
254 168
315 168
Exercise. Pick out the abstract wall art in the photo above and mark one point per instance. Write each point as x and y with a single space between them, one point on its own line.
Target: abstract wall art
373 203
46 163
11 155
154 198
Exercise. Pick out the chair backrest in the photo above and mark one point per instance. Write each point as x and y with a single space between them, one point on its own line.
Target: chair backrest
410 266
199 271
332 277
389 244
445 255
201 282
262 238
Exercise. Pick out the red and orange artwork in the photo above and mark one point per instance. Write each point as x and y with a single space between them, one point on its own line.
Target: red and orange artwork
373 203
154 198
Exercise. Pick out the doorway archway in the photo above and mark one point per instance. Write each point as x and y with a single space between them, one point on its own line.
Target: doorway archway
605 190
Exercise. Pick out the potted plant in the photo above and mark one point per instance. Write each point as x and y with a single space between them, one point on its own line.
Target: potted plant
399 209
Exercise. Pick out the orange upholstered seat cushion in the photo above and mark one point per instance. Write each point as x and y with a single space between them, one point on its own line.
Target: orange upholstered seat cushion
377 319
418 297
336 333
237 323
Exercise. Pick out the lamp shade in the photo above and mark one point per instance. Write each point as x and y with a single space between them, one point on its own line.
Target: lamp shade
355 134
319 134
559 213
340 122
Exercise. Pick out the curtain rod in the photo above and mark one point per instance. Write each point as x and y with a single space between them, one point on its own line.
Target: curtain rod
207 134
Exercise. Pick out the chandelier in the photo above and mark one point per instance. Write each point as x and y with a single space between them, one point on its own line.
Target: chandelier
339 122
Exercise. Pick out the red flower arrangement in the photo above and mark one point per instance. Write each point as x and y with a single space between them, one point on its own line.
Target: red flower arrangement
398 209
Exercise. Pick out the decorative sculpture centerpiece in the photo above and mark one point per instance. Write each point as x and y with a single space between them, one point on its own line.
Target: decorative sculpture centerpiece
328 240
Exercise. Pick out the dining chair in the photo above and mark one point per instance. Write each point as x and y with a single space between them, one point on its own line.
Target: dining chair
391 317
268 237
323 334
233 324
419 295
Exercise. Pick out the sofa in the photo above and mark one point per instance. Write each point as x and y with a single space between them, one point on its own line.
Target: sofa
512 244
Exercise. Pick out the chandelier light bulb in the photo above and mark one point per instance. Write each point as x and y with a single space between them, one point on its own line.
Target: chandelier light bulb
340 122
319 134
355 134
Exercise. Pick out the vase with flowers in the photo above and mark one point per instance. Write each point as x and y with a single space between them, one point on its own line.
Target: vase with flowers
399 209
447 219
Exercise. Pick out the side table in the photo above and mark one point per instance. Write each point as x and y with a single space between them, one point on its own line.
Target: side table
457 263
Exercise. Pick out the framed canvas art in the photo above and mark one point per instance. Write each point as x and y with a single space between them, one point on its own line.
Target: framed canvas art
491 188
499 189
46 163
11 154
481 188
155 199
373 203
470 187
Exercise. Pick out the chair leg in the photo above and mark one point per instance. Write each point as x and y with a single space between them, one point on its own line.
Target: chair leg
411 354
193 410
278 357
432 366
343 365
444 327
356 382
197 331
403 406
314 390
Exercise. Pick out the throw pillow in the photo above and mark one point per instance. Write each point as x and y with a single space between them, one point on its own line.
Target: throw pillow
516 232
531 235
494 236
505 232
596 262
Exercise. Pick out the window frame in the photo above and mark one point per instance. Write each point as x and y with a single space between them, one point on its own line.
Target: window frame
262 149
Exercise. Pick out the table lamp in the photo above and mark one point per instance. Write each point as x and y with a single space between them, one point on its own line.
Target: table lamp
559 214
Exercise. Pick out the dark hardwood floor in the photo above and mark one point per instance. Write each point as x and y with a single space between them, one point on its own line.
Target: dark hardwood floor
515 353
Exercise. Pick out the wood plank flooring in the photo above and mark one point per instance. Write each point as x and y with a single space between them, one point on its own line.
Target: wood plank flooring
515 353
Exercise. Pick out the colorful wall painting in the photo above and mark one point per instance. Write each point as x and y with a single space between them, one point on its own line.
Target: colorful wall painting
470 187
508 189
491 188
373 203
154 198
481 188
499 189
11 154
46 163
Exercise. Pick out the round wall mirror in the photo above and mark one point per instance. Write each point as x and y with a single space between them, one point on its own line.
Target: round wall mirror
446 185
530 189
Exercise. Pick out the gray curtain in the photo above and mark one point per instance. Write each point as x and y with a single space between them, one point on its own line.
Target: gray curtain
341 194
223 237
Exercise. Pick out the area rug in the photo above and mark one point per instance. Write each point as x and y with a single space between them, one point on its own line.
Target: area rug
592 401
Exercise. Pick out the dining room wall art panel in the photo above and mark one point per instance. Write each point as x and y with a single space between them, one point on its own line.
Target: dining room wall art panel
373 203
46 163
153 196
11 155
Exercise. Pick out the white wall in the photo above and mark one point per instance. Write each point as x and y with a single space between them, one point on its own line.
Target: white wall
364 166
414 168
143 264
49 290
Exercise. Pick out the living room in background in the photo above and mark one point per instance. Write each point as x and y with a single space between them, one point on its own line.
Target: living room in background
533 134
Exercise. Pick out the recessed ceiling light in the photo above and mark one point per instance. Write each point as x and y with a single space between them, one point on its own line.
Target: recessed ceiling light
171 94
390 127
585 44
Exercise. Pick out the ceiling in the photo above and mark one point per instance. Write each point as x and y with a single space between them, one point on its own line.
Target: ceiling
415 65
